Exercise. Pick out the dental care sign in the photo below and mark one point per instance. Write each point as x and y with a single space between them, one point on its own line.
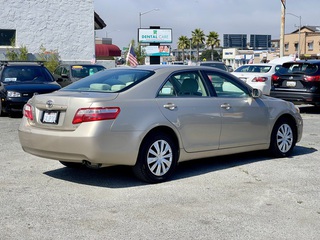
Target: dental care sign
163 35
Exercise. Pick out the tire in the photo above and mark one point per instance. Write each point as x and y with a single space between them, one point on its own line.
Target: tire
71 164
283 138
157 159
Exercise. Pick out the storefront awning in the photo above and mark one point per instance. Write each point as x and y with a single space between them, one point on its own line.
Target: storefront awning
107 50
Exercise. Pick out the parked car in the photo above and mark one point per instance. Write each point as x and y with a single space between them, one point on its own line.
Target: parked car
152 117
298 82
65 74
257 75
216 64
19 81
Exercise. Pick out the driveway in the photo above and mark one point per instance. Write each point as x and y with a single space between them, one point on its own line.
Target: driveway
244 196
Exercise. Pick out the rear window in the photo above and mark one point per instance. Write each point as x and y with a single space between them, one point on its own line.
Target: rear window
21 74
111 80
254 68
81 71
298 68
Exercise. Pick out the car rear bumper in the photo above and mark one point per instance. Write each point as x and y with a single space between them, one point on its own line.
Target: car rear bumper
297 97
90 144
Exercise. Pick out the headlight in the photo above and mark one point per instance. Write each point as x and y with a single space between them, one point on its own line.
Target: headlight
13 94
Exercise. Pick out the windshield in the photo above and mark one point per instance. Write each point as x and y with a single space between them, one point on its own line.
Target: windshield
21 74
295 68
254 68
111 80
81 71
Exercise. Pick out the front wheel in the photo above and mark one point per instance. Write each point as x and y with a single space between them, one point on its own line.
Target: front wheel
157 159
283 138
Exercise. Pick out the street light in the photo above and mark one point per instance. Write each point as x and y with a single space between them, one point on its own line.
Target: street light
299 31
142 13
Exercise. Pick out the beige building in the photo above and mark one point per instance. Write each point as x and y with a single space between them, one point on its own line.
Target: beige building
309 39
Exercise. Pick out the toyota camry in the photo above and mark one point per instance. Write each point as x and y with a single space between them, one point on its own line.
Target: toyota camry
153 117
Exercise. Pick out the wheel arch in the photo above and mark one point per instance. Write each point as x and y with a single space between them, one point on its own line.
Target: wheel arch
166 130
291 120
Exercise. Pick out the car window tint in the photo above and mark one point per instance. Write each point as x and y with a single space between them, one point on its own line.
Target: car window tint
110 81
25 74
167 90
188 84
225 87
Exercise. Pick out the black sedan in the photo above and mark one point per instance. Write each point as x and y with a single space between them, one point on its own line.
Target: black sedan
19 81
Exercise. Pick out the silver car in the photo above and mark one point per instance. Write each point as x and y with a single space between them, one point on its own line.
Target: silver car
152 117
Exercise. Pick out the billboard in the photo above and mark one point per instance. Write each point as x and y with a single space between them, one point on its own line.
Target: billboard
162 35
162 50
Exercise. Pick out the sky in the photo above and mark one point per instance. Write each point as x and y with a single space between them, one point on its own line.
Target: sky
122 17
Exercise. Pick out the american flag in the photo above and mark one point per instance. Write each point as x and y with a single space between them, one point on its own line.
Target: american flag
132 57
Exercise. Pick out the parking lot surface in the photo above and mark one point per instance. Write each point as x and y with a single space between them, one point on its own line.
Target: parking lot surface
243 196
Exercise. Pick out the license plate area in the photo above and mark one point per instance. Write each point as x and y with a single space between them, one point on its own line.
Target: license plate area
291 84
50 117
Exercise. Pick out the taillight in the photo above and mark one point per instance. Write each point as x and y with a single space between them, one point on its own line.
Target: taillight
95 114
312 78
274 78
27 111
259 79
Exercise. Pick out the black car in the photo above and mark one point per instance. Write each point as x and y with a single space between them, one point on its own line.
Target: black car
298 82
215 64
65 74
19 81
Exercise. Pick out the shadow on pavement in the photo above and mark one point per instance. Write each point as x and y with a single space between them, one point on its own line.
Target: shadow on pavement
122 176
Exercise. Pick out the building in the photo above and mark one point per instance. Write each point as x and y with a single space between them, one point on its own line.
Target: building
67 27
309 40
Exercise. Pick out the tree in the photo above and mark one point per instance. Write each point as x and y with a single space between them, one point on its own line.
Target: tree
198 38
51 58
13 54
183 43
213 41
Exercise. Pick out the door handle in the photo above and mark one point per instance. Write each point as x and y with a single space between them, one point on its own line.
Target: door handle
225 106
170 106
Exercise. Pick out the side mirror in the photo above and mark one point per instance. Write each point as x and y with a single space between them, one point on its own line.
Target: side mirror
256 93
64 75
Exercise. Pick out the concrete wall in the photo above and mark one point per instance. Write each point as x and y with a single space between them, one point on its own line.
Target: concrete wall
63 25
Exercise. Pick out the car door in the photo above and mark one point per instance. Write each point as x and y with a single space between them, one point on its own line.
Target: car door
185 101
244 118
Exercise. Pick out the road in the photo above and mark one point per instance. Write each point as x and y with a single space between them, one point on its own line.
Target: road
245 196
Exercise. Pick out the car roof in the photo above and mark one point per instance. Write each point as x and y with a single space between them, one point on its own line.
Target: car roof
170 67
22 63
312 61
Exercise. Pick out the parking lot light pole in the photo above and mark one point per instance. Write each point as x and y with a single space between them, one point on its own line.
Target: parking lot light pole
142 13
299 31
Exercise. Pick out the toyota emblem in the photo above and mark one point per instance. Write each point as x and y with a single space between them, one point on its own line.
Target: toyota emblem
49 104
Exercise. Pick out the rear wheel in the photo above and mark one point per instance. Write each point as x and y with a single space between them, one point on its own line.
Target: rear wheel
157 159
283 138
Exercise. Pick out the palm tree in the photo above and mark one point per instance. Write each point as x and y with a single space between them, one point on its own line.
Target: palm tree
213 41
198 38
183 43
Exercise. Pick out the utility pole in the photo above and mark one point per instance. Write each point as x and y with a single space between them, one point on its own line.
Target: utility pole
283 18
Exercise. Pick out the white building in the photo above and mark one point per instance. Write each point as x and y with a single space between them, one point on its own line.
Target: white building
58 25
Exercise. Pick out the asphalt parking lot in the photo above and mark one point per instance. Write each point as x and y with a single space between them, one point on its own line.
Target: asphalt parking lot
246 196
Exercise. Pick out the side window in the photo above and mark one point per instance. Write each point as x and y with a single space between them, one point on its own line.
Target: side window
184 84
225 87
167 90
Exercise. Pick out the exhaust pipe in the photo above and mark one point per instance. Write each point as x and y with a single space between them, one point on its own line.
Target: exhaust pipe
91 165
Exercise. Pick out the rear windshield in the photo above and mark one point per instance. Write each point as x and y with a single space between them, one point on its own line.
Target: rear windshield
81 71
254 68
298 68
22 74
111 80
